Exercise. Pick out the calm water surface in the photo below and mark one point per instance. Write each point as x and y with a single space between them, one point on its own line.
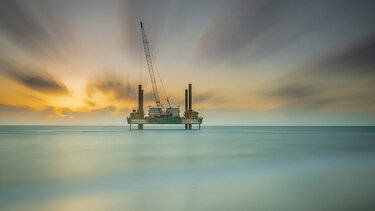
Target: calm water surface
216 168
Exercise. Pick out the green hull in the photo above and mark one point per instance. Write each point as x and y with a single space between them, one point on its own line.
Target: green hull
164 121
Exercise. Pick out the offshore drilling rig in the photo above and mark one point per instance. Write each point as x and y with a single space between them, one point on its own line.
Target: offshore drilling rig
160 114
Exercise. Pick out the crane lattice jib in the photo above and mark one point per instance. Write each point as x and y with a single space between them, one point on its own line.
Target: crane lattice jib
146 47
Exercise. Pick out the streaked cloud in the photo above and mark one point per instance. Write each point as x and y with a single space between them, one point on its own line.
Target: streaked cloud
342 80
356 58
114 87
33 77
131 12
254 30
263 57
25 31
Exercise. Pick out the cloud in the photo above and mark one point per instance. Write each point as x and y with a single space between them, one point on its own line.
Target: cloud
304 96
204 99
114 87
294 91
343 79
33 77
210 96
355 58
90 103
116 91
10 114
24 28
258 28
25 112
132 12
41 83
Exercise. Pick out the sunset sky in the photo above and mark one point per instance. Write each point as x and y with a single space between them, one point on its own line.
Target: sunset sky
251 62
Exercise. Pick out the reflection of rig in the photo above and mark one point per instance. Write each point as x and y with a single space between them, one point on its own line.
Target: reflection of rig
158 114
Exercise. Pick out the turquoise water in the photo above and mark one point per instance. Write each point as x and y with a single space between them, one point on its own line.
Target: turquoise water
216 168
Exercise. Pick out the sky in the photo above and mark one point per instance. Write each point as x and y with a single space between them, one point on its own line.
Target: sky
251 62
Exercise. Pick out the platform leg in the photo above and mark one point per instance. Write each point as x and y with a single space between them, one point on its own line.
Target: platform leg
130 126
140 126
189 126
199 126
186 126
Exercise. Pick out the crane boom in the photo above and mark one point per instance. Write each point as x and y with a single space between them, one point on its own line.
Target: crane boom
147 49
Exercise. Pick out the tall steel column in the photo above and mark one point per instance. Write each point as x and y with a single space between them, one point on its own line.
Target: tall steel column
140 106
186 106
190 102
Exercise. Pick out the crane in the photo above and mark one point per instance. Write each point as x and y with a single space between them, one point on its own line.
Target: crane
160 114
148 54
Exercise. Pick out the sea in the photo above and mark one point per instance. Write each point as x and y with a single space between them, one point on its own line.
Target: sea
169 168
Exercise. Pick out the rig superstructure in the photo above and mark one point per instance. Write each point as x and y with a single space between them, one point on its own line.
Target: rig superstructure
160 114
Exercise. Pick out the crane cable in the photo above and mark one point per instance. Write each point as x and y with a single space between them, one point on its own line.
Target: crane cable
161 81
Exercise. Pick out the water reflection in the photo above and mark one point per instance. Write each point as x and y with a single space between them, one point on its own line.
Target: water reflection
252 168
